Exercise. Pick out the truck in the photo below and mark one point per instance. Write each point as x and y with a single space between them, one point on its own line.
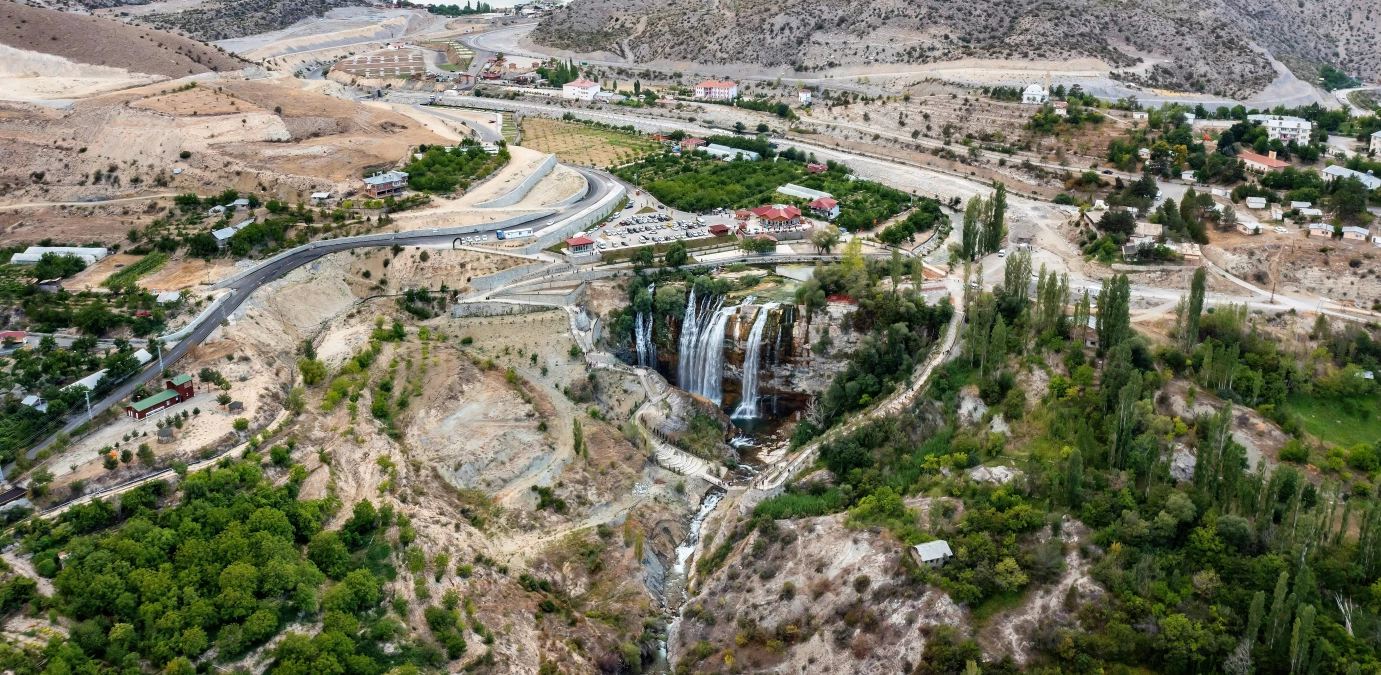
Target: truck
514 234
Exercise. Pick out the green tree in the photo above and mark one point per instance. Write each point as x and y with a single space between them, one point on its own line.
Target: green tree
1074 478
676 255
1195 310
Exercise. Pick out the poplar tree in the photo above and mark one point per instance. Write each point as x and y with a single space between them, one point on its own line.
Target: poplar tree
969 231
1194 311
1074 478
1276 621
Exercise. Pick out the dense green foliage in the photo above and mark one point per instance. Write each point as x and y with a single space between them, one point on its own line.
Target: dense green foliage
442 170
126 277
695 182
457 10
57 266
226 566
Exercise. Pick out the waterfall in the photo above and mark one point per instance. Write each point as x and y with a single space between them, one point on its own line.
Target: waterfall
642 334
700 366
748 407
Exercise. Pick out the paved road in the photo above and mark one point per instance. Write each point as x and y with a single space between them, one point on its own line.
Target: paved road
600 185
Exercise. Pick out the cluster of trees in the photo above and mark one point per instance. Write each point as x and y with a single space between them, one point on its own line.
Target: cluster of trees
57 266
561 73
896 328
924 216
443 171
1047 121
984 224
225 567
456 10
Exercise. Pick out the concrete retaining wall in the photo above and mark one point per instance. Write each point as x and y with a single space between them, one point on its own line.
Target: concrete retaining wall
567 299
517 193
490 308
490 282
187 330
569 227
579 194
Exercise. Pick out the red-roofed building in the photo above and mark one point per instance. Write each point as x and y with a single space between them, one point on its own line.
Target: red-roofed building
826 207
719 230
778 214
816 168
692 143
743 214
1262 164
578 245
12 336
766 237
716 90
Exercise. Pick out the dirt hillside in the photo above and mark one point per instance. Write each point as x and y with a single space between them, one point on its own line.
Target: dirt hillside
103 42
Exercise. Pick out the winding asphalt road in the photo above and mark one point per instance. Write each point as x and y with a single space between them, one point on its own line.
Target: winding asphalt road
600 184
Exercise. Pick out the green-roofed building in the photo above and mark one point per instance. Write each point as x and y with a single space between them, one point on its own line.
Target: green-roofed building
176 390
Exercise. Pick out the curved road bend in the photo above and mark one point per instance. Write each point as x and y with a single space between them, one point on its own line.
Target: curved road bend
600 185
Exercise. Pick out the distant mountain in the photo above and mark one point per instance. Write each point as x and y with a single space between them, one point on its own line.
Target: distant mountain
226 19
1196 47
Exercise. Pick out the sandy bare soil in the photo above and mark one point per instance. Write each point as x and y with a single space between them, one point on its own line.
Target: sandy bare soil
33 76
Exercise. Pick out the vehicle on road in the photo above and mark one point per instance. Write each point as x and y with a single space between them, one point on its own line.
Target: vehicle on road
1002 253
1280 229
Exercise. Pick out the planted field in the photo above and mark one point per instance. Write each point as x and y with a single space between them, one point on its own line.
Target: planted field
578 144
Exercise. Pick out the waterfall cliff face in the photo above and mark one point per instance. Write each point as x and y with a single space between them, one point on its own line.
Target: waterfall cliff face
752 358
642 334
700 367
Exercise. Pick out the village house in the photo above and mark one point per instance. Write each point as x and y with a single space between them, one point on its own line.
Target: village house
1141 115
1334 172
692 143
580 90
1262 164
1320 231
716 90
803 96
580 247
175 391
1061 108
1375 146
1191 253
1256 202
385 184
1354 233
826 207
931 553
816 168
1248 228
719 230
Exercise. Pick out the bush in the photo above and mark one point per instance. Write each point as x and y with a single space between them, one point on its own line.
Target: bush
241 424
1294 451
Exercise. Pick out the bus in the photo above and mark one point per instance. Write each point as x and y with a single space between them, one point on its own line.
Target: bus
515 234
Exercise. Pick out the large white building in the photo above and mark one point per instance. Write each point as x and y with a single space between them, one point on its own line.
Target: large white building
1334 172
33 254
580 90
1284 128
716 90
1035 94
1376 142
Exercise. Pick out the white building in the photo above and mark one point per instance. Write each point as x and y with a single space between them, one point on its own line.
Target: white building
580 90
1140 115
727 153
931 553
318 197
716 90
1035 94
794 190
1256 202
1061 108
804 97
1284 128
1375 146
33 254
1334 172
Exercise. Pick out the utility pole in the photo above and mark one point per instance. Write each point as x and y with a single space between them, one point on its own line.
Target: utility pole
88 404
158 345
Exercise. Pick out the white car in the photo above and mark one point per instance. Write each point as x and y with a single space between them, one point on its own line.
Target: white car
1002 253
1280 229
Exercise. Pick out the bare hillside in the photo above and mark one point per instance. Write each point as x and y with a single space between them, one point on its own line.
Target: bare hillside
103 42
227 19
1197 48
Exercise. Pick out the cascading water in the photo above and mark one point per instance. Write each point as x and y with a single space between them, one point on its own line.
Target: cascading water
748 407
700 369
642 334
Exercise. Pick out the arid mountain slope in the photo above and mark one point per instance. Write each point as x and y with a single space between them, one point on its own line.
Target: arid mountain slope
103 42
1198 48
227 19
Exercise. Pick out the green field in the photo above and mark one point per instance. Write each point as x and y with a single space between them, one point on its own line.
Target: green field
1327 420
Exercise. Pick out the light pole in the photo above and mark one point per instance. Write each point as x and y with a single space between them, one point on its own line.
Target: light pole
87 393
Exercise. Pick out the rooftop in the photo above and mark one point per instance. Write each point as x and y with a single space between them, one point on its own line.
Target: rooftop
582 83
161 397
181 379
933 550
1367 179
579 241
1263 160
390 177
824 203
777 212
716 84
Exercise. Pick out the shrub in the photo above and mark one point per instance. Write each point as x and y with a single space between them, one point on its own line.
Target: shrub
1294 451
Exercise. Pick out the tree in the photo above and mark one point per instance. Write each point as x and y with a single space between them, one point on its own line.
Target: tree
329 554
995 224
1190 336
1114 312
146 456
313 371
1074 477
969 231
1349 198
1117 222
825 239
676 255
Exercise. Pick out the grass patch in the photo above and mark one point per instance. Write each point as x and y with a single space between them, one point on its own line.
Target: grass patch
996 604
130 274
449 67
1356 421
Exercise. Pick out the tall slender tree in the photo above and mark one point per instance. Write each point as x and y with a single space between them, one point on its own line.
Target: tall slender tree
1190 326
